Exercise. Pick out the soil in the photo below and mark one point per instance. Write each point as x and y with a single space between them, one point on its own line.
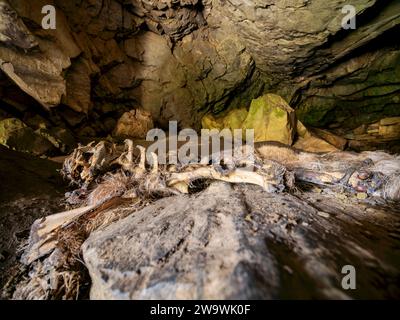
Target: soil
30 188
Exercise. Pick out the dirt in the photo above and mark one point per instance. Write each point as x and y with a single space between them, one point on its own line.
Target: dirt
30 188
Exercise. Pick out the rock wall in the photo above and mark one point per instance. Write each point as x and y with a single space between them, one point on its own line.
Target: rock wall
330 75
182 59
105 58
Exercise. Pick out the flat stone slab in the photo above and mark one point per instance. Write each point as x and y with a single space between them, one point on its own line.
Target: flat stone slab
243 243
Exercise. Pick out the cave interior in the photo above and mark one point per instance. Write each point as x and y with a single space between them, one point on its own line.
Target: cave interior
77 71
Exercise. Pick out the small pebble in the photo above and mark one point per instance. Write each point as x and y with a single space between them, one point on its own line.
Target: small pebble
324 214
362 195
363 175
317 190
361 188
341 196
288 269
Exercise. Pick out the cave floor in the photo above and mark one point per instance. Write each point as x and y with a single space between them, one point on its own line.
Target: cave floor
331 229
30 188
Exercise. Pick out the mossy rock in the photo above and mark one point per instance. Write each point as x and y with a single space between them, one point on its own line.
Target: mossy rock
314 115
233 119
60 138
269 115
15 135
272 119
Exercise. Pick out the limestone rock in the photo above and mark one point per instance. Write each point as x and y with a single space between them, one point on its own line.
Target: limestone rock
60 138
385 129
309 25
270 116
331 138
390 121
272 119
180 60
107 52
120 77
239 243
48 96
78 87
343 98
15 135
176 19
292 40
377 135
233 119
201 73
302 131
134 124
12 29
39 72
198 253
311 143
389 128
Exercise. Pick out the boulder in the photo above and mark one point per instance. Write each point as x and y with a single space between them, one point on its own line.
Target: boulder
15 135
272 119
269 115
134 124
38 68
60 138
307 140
382 134
389 128
331 138
390 121
233 119
240 242
187 247
311 143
